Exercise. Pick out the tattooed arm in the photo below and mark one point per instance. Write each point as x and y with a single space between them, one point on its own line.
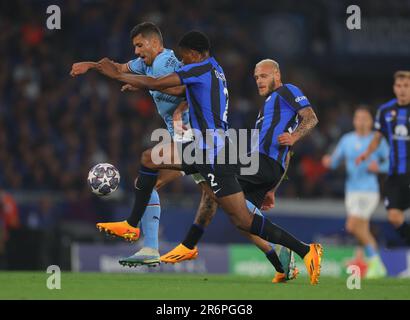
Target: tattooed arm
307 123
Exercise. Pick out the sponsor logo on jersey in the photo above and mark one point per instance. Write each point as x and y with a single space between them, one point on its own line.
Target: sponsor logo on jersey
401 132
220 75
301 98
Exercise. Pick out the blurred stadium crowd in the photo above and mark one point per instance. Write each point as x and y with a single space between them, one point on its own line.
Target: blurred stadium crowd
54 128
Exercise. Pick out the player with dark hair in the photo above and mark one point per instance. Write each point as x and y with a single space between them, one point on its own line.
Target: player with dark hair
146 30
153 60
392 121
207 96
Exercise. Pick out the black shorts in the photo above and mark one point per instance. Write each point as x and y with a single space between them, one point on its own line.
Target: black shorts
268 176
222 178
397 192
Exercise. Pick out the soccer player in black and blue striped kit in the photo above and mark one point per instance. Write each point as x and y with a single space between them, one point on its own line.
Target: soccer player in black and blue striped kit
393 122
285 114
207 96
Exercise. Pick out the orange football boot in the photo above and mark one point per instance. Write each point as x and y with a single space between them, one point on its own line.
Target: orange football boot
120 229
180 253
281 277
312 262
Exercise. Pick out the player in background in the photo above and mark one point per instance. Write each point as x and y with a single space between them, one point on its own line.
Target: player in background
393 122
207 95
154 60
362 186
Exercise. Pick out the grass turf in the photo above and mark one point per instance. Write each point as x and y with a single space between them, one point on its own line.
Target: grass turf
32 285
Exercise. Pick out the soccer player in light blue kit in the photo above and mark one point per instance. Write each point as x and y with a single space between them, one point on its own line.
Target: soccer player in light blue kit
156 61
362 186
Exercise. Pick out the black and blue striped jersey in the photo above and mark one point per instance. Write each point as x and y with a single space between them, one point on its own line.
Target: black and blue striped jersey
207 94
393 121
277 116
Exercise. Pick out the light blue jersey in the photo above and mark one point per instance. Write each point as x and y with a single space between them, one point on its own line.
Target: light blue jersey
164 63
359 178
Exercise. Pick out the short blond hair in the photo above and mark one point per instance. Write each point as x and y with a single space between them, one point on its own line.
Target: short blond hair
402 74
272 62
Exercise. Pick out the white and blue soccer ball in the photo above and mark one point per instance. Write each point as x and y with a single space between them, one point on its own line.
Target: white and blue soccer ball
103 179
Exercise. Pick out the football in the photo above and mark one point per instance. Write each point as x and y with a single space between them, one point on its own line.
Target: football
103 179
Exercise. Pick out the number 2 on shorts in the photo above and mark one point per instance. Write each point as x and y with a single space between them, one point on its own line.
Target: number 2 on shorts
212 177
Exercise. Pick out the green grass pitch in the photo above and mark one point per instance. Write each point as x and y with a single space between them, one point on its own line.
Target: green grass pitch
32 285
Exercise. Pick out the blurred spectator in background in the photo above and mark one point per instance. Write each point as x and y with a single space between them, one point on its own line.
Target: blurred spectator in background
312 172
9 221
9 213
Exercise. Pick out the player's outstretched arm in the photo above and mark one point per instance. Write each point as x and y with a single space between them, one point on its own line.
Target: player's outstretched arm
175 91
145 82
82 67
307 123
79 68
374 144
108 68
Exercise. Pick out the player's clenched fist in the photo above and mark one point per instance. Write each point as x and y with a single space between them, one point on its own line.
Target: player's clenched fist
128 87
108 68
286 139
81 68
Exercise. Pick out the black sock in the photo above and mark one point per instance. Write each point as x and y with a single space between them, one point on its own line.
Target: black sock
194 235
274 259
270 232
143 188
404 231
